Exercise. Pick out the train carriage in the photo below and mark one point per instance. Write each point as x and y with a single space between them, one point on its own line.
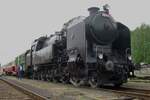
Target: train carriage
10 68
1 71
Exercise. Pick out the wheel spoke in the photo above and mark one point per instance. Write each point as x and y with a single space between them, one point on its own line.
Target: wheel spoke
93 81
64 80
76 82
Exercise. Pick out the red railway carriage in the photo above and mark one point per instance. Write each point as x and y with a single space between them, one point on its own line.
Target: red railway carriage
10 69
1 71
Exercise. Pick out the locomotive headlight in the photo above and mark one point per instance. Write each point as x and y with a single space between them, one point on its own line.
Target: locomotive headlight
129 57
100 56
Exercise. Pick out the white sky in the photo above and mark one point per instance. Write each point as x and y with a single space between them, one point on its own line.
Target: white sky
21 21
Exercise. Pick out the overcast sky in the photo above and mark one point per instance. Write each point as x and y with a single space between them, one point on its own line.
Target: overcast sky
22 21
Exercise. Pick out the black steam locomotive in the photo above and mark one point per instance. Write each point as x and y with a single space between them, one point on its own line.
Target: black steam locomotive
92 50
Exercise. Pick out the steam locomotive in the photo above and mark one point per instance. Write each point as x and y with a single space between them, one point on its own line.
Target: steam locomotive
93 50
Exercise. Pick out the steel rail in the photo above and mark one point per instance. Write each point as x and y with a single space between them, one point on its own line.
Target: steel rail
28 92
132 92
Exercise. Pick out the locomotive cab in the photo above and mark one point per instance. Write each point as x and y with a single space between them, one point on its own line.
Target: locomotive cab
45 54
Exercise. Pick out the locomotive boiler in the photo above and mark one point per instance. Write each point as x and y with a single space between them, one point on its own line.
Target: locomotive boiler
91 50
97 47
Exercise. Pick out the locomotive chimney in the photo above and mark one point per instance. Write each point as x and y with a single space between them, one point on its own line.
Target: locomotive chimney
93 10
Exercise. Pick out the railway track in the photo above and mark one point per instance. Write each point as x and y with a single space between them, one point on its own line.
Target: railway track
11 91
125 92
8 92
132 93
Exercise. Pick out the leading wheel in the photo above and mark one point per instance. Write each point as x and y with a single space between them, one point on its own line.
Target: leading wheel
76 81
64 79
93 81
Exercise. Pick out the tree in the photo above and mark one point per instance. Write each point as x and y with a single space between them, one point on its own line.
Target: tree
140 44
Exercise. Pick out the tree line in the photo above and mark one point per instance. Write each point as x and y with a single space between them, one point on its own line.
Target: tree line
140 44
